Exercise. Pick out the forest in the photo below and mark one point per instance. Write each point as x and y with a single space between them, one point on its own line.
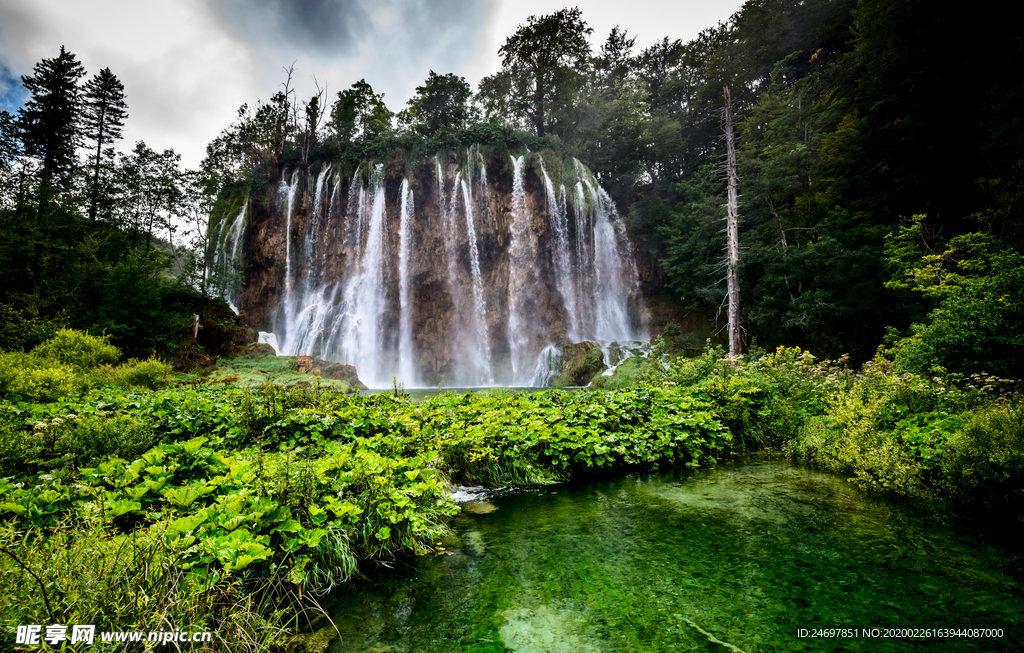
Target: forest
880 156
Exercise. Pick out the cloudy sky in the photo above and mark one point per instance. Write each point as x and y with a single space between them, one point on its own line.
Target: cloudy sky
187 65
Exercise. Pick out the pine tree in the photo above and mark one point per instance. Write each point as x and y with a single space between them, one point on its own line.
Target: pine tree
103 117
50 120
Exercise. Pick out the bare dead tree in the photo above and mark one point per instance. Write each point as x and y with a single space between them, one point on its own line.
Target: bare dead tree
315 109
287 109
732 251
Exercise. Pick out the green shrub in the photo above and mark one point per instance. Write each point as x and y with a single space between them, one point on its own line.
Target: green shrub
92 438
12 367
887 468
151 374
78 349
48 383
39 379
68 440
15 447
983 464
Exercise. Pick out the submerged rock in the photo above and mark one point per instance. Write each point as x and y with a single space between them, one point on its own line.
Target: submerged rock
546 628
314 642
479 507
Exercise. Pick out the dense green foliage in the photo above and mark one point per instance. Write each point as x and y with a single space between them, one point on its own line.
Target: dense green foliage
251 497
892 432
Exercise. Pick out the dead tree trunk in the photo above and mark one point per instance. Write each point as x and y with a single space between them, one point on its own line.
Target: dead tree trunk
732 251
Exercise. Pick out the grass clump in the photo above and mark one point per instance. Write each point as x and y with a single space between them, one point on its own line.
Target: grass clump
89 572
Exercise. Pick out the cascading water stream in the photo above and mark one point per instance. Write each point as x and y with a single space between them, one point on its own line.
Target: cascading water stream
406 363
483 348
611 320
364 296
563 272
227 255
522 260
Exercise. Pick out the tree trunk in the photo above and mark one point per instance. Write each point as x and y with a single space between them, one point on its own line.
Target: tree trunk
538 105
732 252
96 172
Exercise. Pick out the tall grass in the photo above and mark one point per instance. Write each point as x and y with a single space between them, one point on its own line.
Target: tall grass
87 572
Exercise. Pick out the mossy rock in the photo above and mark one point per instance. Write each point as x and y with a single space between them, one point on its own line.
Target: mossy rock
257 350
258 364
579 362
314 642
328 370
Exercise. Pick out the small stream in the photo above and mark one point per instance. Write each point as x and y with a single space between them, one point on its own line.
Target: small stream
742 556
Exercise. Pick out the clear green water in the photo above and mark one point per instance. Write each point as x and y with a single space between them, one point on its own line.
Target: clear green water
749 552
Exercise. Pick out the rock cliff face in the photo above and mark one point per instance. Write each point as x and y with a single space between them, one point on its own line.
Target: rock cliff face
458 270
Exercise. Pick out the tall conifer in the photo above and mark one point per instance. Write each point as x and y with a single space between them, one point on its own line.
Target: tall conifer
50 120
103 117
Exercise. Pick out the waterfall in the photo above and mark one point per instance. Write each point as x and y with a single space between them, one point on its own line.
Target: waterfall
522 262
289 192
483 349
438 274
406 364
563 273
227 256
363 300
313 233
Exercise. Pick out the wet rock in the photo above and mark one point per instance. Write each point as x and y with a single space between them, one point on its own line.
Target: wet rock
314 642
578 364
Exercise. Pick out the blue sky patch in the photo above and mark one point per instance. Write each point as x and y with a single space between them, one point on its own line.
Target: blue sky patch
12 93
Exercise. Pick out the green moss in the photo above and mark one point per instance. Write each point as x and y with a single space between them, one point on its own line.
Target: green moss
625 375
